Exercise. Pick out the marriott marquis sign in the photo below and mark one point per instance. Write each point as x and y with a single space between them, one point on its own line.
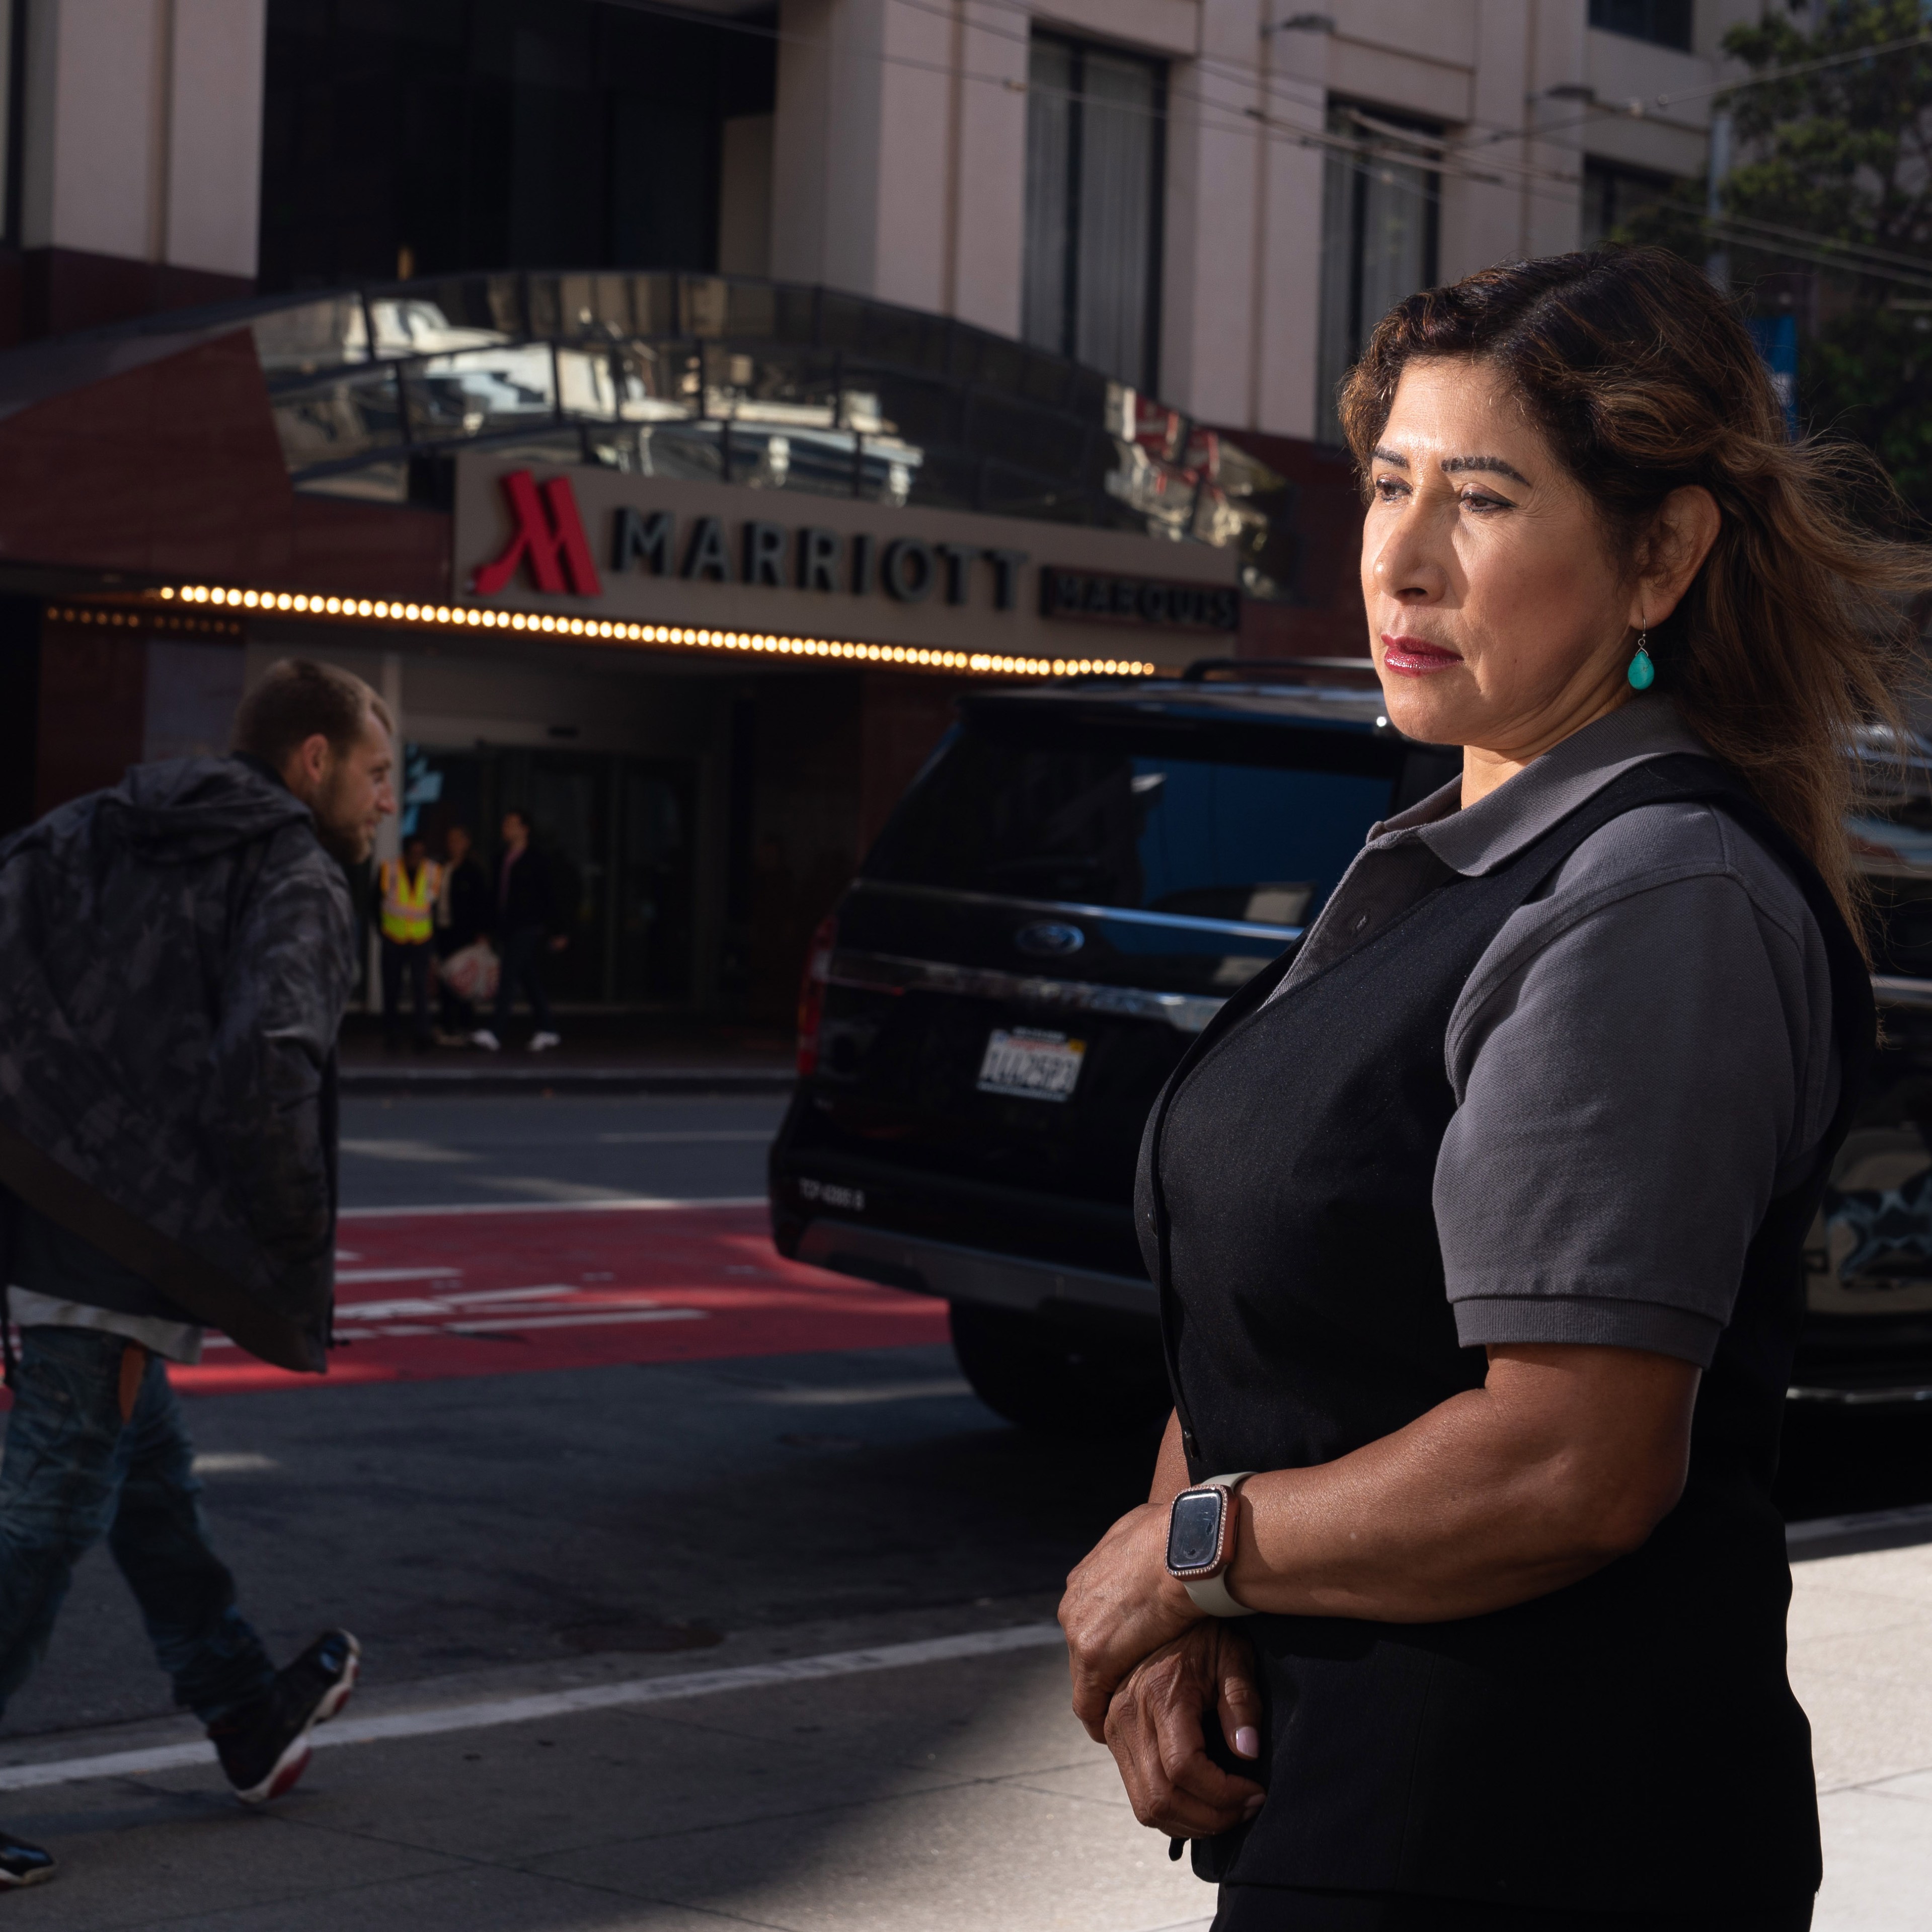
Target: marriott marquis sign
598 541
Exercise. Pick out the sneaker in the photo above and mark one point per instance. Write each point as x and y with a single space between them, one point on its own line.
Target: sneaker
542 1043
23 1864
485 1038
265 1747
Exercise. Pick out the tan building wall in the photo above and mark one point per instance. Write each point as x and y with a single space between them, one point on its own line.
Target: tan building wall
900 153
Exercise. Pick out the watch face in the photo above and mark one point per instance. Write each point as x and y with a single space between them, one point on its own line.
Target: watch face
1194 1530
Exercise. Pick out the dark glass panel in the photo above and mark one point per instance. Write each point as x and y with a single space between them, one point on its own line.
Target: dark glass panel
842 320
1046 379
1008 430
905 337
655 874
750 310
905 406
1007 491
947 479
705 303
654 305
338 419
401 136
546 305
795 313
1666 22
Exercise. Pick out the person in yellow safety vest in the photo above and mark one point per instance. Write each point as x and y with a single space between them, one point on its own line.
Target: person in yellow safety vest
406 890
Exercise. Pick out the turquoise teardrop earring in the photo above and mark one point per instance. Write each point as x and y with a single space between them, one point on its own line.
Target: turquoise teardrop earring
1642 673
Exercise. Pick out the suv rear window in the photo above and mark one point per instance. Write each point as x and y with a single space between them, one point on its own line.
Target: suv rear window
1891 841
1239 822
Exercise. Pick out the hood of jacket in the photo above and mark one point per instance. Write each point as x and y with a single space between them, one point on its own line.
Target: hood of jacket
185 810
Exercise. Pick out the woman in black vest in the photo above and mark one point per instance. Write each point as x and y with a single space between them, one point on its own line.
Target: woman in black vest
1477 1223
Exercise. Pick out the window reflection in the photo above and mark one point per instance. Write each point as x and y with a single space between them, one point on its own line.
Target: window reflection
666 375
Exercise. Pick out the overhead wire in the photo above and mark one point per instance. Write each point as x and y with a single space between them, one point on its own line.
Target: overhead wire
1253 123
1675 97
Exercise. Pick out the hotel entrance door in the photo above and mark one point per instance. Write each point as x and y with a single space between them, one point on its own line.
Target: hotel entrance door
618 834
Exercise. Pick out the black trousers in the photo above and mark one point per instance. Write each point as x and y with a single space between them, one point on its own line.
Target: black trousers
398 960
523 950
1268 1908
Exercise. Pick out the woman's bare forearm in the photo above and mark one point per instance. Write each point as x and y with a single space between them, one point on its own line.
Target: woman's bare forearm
1565 1459
1170 1469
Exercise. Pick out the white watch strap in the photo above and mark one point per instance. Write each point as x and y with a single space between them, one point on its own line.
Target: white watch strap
1215 1598
1212 1594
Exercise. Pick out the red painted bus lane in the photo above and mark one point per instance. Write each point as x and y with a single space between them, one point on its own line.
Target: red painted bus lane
431 1295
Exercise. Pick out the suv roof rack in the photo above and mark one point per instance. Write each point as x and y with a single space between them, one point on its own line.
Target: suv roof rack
1293 670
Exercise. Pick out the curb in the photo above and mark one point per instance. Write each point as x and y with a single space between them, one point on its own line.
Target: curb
421 1082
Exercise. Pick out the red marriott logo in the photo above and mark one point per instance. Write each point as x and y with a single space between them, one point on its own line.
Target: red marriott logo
549 537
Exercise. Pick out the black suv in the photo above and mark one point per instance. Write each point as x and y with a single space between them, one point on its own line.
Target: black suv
1078 878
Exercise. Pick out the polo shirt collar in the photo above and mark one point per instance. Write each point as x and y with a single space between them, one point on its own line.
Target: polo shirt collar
1521 809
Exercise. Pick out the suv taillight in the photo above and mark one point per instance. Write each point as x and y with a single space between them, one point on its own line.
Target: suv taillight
811 992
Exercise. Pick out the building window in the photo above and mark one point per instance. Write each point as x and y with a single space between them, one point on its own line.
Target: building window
1378 224
1613 194
1096 166
421 137
13 105
1666 23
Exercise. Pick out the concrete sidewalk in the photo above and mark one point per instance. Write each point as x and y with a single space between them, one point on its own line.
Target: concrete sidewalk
602 1053
1861 1663
940 1784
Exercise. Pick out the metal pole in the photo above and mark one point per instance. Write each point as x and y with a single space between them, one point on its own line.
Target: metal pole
1717 263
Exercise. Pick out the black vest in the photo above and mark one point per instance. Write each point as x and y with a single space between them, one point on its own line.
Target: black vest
1630 1742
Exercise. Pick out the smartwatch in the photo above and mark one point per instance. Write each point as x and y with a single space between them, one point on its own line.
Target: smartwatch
1201 1526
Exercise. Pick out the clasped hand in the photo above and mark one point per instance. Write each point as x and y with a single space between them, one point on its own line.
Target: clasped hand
1149 1671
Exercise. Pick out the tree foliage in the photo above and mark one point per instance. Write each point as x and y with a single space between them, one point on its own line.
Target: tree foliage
1828 210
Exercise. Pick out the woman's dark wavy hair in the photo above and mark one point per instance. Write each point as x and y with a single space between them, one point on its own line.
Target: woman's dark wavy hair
1795 633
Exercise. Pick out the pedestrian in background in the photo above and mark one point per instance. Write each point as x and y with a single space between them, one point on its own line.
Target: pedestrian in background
462 911
179 953
528 927
406 891
1478 1221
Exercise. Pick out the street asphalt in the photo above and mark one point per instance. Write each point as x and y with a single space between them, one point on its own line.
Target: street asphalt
563 1148
577 1537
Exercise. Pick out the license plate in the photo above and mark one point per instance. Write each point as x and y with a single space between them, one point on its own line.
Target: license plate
1030 1064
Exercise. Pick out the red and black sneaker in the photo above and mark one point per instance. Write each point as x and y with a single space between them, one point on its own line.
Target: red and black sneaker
265 1747
22 1865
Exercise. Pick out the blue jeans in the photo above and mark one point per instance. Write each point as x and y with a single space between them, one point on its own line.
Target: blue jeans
73 1473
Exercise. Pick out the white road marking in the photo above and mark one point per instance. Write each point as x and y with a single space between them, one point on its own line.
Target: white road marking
399 1274
1822 1528
417 1151
665 1137
621 1203
494 1712
240 1462
803 1395
520 1322
455 1304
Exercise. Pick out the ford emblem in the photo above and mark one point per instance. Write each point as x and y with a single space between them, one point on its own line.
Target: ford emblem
1049 940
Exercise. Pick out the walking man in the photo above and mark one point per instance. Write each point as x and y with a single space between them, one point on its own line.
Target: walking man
462 919
177 954
527 927
406 889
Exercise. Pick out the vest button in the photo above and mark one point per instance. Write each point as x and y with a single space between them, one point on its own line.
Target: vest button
1361 922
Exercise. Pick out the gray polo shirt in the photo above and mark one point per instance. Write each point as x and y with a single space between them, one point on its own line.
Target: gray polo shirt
1641 1060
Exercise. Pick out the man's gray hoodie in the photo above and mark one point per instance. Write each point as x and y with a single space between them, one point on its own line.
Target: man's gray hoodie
175 954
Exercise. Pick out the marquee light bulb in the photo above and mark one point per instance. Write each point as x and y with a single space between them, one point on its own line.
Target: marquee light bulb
383 610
